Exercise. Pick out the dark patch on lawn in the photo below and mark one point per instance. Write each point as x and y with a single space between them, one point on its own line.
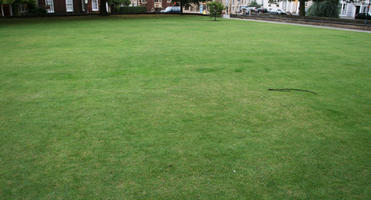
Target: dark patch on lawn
187 120
62 76
207 70
239 70
336 114
291 89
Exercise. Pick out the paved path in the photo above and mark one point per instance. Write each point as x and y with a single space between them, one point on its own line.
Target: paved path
308 25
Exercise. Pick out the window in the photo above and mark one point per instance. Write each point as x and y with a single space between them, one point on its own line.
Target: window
22 8
49 6
94 5
343 10
69 5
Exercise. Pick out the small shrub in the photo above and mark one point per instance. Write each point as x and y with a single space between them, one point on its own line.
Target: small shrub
38 12
215 9
117 3
132 10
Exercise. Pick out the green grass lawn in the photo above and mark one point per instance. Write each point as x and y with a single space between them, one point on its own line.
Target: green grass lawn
174 107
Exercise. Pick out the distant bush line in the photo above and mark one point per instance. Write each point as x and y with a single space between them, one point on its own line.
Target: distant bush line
130 10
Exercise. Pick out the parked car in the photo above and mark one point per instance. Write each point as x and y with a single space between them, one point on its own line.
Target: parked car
262 10
171 9
363 16
276 11
246 10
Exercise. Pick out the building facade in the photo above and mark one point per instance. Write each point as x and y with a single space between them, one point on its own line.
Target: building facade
152 5
66 7
196 8
349 9
291 7
55 7
234 6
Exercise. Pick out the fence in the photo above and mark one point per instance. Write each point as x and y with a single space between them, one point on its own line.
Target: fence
337 22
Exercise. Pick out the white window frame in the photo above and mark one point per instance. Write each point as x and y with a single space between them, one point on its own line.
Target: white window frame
22 8
92 7
50 3
69 5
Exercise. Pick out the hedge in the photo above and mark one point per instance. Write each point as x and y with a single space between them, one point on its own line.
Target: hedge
132 10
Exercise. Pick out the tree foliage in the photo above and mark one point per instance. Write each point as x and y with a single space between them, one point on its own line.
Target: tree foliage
33 10
254 4
119 2
215 9
327 8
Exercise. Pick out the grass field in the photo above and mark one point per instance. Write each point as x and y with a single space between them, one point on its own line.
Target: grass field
174 107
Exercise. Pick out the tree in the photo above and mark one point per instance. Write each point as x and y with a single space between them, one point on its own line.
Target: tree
117 3
327 8
84 6
123 2
215 9
31 6
302 6
103 8
254 4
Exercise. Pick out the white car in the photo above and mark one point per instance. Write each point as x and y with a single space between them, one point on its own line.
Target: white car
245 9
171 9
276 11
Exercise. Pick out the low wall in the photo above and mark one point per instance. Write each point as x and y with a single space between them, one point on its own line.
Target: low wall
320 21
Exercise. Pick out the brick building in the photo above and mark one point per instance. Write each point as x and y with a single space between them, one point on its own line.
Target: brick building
77 7
153 5
55 7
73 7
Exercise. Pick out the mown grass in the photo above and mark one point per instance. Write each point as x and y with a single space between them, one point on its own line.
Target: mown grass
174 107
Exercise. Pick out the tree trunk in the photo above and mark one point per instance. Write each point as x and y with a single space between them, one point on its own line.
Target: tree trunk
84 7
181 7
302 8
103 10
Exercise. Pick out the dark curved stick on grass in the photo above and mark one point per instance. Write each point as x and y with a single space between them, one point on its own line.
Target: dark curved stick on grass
291 89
